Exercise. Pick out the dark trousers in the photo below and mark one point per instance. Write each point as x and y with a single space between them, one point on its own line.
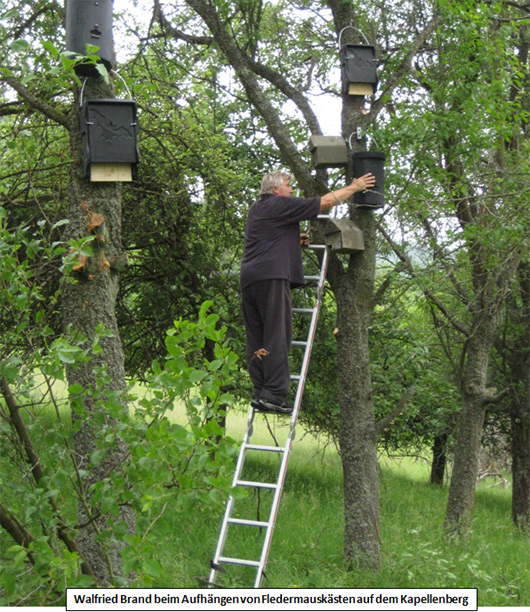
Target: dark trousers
268 325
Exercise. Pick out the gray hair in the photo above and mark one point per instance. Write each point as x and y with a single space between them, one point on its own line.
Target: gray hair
274 179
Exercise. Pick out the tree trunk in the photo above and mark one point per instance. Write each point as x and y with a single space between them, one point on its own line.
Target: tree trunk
87 304
459 512
439 459
520 419
357 436
353 291
520 411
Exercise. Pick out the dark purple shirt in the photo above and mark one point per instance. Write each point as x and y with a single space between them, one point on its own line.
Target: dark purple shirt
272 239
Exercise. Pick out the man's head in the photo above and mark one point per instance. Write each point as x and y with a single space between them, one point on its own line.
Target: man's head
277 183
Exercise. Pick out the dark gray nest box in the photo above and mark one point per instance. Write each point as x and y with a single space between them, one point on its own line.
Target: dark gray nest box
328 151
89 22
374 162
358 70
343 236
109 130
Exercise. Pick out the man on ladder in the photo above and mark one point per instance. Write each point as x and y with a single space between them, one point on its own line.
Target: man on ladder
270 267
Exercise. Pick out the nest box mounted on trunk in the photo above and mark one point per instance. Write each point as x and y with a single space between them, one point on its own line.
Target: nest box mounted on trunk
358 70
343 236
89 22
328 151
109 129
374 162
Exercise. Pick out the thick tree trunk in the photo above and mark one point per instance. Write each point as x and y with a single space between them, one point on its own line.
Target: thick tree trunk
520 411
459 512
439 459
357 436
353 289
520 419
90 302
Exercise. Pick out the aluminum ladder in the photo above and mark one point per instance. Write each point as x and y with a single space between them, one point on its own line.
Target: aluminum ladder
283 451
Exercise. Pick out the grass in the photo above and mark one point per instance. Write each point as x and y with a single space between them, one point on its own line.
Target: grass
307 546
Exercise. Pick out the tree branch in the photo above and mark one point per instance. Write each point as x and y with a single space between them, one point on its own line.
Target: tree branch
36 468
239 62
442 255
46 109
385 285
389 419
167 28
16 529
279 81
18 33
427 292
405 67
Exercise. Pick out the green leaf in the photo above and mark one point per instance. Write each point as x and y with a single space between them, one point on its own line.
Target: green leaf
20 45
76 390
100 67
51 48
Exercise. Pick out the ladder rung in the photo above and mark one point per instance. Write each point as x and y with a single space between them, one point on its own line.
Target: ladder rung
303 310
271 449
239 561
237 521
323 216
311 278
257 485
316 247
295 377
299 343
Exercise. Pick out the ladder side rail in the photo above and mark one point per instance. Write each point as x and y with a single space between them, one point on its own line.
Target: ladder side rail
274 513
221 542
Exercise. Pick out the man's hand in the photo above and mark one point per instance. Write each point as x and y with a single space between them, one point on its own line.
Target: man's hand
333 198
304 240
364 182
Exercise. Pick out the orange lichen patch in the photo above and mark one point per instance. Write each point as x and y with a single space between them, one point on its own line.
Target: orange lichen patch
82 262
95 220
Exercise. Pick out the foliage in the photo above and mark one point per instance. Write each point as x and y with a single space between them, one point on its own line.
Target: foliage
181 459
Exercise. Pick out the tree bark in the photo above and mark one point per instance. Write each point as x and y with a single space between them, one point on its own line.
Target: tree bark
439 459
88 303
353 288
520 421
459 512
357 435
520 411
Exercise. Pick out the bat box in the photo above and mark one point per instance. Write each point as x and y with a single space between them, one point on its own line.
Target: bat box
109 130
374 162
358 70
343 236
89 22
328 151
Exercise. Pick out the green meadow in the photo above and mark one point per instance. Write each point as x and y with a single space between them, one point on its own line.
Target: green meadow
307 546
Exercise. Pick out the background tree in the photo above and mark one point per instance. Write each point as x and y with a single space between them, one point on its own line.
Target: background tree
474 155
513 368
